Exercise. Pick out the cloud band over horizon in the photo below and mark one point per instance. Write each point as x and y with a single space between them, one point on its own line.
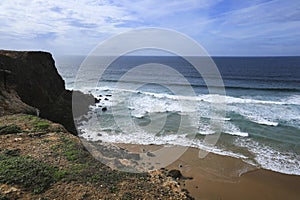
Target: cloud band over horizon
222 27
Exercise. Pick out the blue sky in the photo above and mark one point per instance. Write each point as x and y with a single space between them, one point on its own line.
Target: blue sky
222 27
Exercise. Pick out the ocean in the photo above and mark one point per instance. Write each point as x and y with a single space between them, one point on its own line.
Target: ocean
261 123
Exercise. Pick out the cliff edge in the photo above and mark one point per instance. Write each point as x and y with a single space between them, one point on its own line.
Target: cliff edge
32 77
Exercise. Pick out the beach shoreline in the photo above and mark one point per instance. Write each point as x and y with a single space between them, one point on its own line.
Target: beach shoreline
224 177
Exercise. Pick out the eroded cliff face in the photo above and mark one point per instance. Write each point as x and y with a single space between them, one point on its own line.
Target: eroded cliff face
11 103
35 79
34 74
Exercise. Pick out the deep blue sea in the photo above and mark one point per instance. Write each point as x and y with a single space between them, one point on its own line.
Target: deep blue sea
261 124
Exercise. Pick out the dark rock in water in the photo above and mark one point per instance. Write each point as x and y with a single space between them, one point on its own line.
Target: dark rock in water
100 95
106 99
99 134
108 95
38 83
83 119
150 154
97 100
104 109
174 173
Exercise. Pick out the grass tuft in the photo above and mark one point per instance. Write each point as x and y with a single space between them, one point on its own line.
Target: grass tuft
9 129
30 174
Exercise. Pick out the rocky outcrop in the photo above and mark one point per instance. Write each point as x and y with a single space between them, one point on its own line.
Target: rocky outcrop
36 81
11 103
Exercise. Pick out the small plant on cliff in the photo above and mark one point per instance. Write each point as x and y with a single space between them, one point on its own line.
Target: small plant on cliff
30 174
42 125
36 122
9 129
71 150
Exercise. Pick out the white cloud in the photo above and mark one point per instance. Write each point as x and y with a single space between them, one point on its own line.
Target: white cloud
58 25
28 18
82 24
156 9
280 18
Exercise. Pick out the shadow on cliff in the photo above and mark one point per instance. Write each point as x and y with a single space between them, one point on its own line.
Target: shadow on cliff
35 79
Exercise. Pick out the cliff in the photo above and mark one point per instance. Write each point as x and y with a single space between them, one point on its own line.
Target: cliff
33 77
39 159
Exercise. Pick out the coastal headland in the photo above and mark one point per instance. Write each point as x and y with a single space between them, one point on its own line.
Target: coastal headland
41 156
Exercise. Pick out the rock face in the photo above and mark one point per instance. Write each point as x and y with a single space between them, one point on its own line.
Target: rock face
11 103
37 82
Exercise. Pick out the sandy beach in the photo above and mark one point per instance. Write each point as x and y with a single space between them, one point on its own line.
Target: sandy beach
223 177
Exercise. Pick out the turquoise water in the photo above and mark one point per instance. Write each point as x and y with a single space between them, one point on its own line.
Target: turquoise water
261 124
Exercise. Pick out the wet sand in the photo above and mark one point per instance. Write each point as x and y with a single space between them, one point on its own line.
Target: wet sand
224 177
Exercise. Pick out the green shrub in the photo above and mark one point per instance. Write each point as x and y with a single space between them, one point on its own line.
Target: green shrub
36 122
42 125
71 150
9 129
11 152
30 174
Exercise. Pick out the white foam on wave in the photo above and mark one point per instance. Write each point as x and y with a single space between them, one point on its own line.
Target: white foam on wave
265 156
215 118
224 119
294 99
143 104
231 129
214 149
211 98
134 138
260 114
205 128
238 133
269 158
147 139
266 122
263 112
228 128
216 98
267 113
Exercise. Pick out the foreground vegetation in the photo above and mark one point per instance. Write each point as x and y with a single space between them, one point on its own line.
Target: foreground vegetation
41 160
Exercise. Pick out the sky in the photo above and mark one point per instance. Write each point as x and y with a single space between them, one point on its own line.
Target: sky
222 27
